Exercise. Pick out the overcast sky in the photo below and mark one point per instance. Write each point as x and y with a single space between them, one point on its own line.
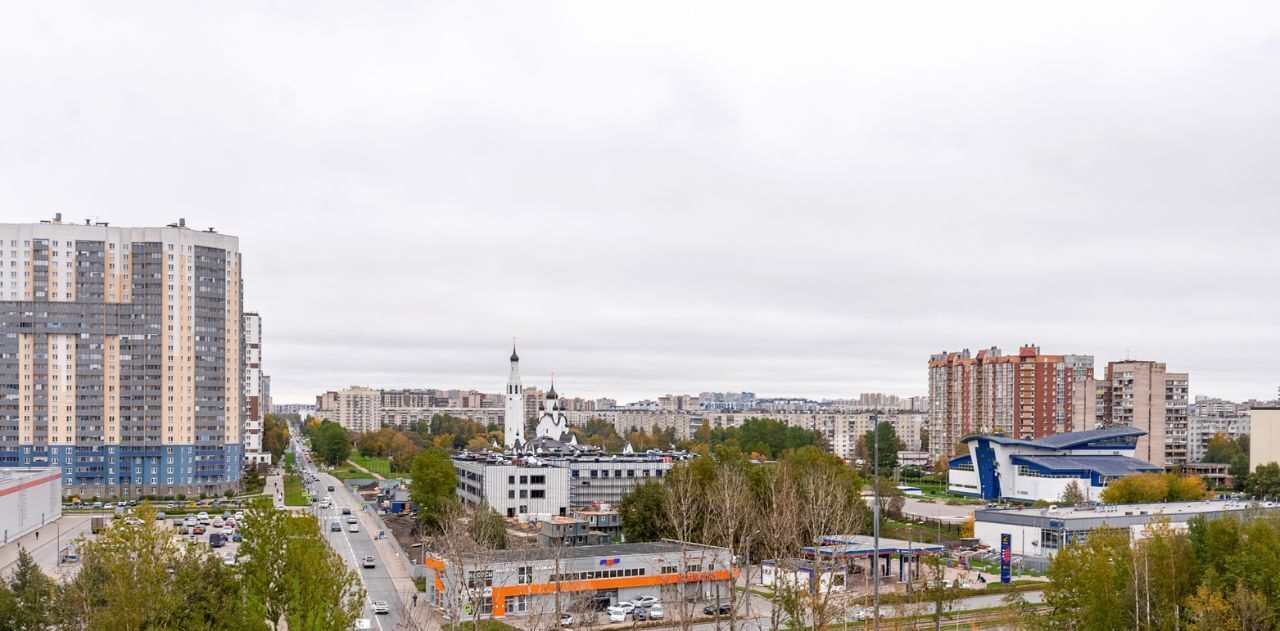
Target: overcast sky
793 199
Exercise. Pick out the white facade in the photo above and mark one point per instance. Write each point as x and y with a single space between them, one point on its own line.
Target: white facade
552 421
360 409
513 419
515 489
1202 427
254 391
29 498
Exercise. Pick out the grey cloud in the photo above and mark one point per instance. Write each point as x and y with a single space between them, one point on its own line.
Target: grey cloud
805 199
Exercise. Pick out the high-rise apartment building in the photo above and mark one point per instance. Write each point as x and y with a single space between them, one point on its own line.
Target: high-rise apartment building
1143 394
1028 395
121 357
357 409
255 390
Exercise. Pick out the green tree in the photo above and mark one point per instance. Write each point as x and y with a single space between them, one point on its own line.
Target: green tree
1264 481
924 439
32 594
488 528
433 487
642 510
889 446
275 436
1072 495
331 442
291 577
1089 584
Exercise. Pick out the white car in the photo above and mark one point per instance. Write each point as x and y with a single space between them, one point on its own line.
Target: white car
230 559
858 613
644 601
655 611
566 620
353 528
380 606
619 612
202 517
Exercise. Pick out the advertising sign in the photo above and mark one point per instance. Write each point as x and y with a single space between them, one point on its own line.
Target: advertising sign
1006 552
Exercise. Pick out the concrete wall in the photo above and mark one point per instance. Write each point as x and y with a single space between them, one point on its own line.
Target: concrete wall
28 500
1264 436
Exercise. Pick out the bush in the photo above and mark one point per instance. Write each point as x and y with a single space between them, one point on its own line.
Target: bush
182 497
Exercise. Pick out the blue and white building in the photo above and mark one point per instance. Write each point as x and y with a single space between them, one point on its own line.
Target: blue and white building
1001 468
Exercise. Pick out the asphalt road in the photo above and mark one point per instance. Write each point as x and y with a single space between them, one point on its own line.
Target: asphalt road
354 546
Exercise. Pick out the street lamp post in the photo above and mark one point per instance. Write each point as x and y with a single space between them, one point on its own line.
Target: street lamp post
875 517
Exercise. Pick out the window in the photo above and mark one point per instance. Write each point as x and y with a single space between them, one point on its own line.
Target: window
524 494
511 479
538 479
524 479
511 494
537 494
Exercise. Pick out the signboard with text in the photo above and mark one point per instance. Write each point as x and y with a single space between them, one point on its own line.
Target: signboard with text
1006 552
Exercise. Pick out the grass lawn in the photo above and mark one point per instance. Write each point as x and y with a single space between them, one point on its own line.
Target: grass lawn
380 466
348 472
293 495
288 459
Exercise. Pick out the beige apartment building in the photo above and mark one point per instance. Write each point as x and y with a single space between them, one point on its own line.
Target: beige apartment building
1264 436
1143 394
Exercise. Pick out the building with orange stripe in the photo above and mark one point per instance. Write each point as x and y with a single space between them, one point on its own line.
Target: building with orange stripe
542 581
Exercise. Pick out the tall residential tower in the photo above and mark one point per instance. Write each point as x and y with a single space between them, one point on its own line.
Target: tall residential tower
121 357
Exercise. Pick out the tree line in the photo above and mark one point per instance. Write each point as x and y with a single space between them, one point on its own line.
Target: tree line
139 576
1219 574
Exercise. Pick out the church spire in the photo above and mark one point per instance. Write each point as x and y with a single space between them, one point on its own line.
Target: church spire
552 394
514 356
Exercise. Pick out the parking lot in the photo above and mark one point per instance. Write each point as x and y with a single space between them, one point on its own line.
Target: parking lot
195 530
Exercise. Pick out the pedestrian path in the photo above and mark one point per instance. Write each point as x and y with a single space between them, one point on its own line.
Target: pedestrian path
375 475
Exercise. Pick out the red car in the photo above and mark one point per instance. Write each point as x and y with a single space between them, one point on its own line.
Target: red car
198 530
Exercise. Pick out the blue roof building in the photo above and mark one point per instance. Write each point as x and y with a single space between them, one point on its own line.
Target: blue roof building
1002 468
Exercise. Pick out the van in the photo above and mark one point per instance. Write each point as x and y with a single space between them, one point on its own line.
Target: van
216 540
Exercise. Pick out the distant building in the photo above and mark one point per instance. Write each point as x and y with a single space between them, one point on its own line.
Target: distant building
356 409
1002 468
1142 394
29 499
1025 396
1264 436
257 400
569 531
1203 426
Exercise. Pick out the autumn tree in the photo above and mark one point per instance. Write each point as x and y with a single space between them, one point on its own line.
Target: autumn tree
1140 488
432 486
1072 495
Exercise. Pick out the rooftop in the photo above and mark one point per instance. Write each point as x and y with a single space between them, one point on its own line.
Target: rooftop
864 545
588 552
1105 511
1110 466
1069 440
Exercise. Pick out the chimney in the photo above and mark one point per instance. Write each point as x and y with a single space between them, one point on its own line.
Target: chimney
182 222
57 217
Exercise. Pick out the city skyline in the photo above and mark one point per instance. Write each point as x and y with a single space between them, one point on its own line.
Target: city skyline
666 211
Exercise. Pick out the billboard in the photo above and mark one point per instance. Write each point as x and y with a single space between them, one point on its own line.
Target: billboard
1006 552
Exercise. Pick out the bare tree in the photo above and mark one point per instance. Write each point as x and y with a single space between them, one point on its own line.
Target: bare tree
780 538
684 507
826 507
730 513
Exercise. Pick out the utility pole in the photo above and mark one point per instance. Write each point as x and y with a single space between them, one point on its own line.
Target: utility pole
875 519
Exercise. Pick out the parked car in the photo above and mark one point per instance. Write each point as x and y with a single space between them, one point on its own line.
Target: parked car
160 516
380 606
230 559
617 615
655 611
216 540
722 609
353 527
566 620
198 530
218 523
644 601
368 561
858 613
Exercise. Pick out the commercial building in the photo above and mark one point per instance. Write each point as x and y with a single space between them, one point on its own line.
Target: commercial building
1025 396
515 486
257 401
596 478
121 357
1144 395
1002 468
1041 532
1264 436
29 499
541 581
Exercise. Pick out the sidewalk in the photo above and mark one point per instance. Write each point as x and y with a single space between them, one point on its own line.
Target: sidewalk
43 543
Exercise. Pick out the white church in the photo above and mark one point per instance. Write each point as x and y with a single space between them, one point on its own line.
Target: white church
552 421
